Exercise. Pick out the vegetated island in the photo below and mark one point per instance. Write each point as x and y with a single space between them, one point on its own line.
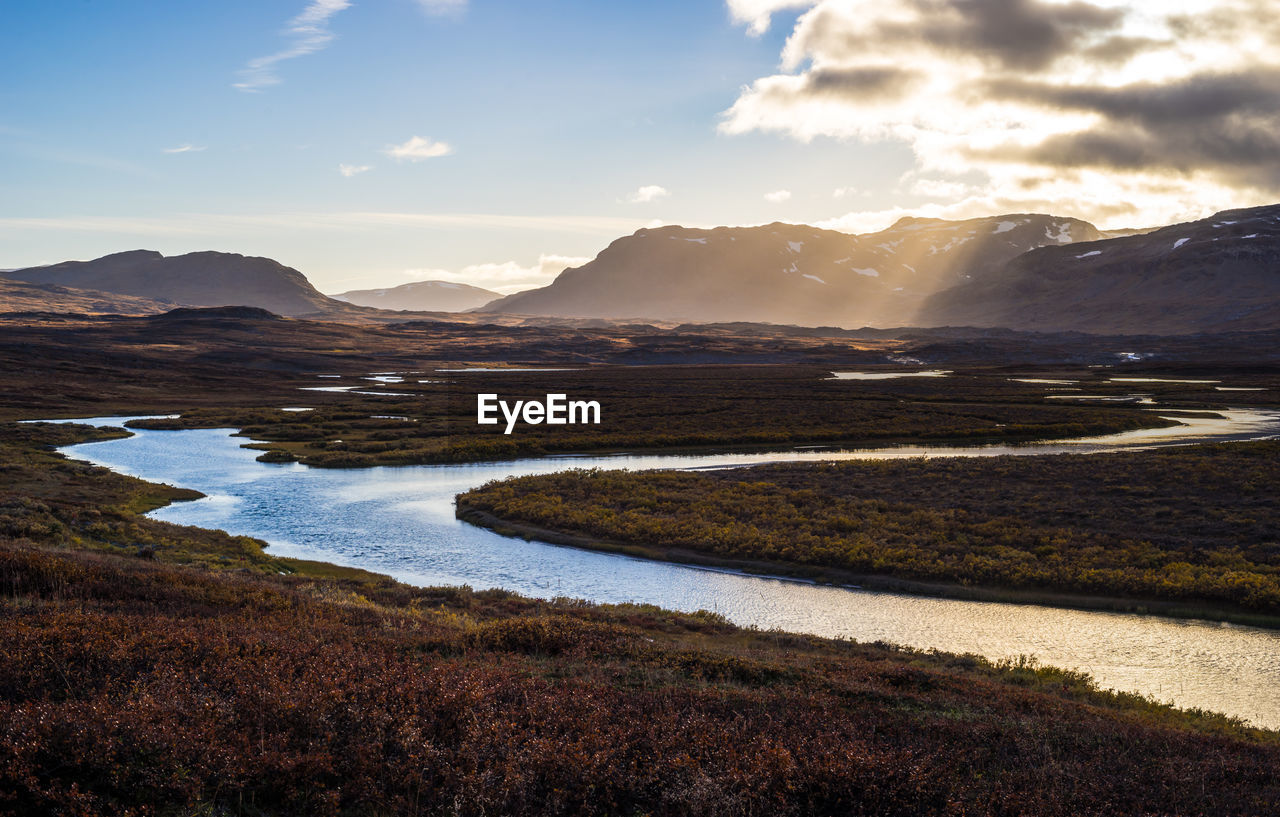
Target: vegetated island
1188 531
659 408
151 668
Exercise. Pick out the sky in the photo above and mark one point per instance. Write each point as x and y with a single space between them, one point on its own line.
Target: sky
370 143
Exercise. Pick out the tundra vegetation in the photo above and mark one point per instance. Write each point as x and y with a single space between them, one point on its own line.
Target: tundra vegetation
1194 529
148 668
154 669
670 408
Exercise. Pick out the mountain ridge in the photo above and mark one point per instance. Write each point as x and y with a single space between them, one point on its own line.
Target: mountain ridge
787 273
205 278
1220 273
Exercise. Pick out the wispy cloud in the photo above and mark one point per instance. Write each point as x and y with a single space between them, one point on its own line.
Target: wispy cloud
309 32
417 149
648 193
188 148
778 196
354 170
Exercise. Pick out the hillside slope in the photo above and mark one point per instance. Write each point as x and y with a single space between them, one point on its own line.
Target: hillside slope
21 296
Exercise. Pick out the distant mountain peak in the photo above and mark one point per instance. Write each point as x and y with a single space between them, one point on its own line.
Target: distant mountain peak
132 255
422 296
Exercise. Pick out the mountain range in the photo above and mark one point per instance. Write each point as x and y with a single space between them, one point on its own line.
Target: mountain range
1021 271
791 274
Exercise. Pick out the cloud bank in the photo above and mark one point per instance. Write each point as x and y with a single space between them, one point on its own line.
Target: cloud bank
1114 110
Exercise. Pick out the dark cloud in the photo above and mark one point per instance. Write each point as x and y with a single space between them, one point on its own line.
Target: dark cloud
1243 151
1056 93
861 84
1228 21
1021 35
1018 34
1118 49
1179 103
1228 122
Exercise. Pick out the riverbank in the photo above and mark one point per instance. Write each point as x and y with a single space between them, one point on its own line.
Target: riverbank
1184 532
836 577
195 676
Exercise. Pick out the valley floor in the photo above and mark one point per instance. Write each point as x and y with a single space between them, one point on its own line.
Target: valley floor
148 668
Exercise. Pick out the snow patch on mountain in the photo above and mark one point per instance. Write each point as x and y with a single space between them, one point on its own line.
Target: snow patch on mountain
1063 236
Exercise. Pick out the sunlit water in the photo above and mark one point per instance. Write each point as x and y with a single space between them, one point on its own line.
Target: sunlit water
400 521
886 375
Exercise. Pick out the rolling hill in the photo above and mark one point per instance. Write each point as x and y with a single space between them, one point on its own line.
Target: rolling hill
194 279
422 296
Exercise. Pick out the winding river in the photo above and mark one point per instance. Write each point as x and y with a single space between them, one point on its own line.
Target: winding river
400 521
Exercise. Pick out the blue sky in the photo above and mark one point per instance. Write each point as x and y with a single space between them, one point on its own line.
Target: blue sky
529 135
